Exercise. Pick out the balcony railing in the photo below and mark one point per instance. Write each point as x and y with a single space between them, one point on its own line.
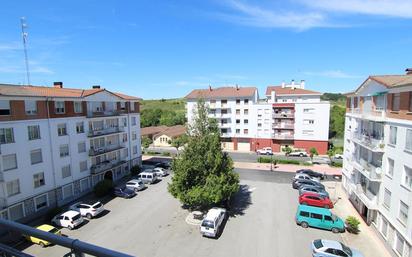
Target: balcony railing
366 196
94 114
283 126
106 165
373 143
3 203
105 131
283 115
372 172
282 136
224 125
106 149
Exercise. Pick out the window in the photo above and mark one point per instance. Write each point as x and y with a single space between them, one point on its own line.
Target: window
238 121
237 111
78 108
13 187
41 202
308 110
135 149
133 121
61 129
246 111
391 164
237 101
259 125
246 121
246 131
84 184
223 111
6 136
407 177
81 147
399 244
36 156
122 106
134 135
387 198
408 141
316 216
131 106
4 107
384 227
392 135
124 138
328 218
16 212
66 172
396 100
64 150
30 107
38 180
237 131
246 101
67 191
9 162
124 122
59 107
34 132
308 132
80 127
304 214
403 212
83 166
306 122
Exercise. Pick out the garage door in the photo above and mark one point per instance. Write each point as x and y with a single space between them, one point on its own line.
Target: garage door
243 147
227 146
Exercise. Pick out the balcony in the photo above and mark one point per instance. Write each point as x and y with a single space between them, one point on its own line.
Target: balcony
106 165
283 115
283 126
96 114
375 144
105 131
106 149
375 114
224 125
282 136
366 196
372 172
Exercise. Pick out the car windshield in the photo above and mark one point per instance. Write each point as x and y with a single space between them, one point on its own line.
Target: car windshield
76 217
318 243
97 205
54 230
346 249
334 217
208 224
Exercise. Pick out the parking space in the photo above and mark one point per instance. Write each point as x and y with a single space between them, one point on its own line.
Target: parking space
153 224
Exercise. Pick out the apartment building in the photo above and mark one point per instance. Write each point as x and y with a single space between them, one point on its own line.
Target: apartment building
289 115
56 143
377 166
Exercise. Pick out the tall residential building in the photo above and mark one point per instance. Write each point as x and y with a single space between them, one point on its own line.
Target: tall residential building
377 165
290 116
56 143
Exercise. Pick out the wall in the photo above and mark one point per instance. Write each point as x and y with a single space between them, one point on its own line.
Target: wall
320 116
158 141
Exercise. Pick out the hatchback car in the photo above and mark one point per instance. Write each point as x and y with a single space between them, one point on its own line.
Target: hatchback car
160 172
329 248
311 189
311 173
69 219
88 210
314 199
299 153
305 176
124 192
46 228
304 182
136 185
211 225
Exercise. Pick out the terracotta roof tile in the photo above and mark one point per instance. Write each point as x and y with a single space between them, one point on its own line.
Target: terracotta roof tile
147 131
393 80
290 91
173 131
220 92
127 97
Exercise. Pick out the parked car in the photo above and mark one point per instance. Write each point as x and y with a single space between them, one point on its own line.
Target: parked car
329 248
69 219
212 224
319 217
265 151
311 173
88 210
312 189
148 177
300 182
46 228
315 199
160 172
299 153
338 156
124 192
163 165
305 176
136 185
320 160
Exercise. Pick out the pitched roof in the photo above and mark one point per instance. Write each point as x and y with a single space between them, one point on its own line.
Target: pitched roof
220 92
393 80
173 131
152 130
41 91
279 90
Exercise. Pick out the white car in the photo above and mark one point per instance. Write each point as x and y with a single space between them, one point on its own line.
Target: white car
88 210
305 176
161 172
136 185
299 153
69 219
212 224
265 151
338 156
329 248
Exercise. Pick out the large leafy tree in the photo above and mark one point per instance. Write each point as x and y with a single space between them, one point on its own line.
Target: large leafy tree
337 121
203 173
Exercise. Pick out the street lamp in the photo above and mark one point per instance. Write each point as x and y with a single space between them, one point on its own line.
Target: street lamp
271 156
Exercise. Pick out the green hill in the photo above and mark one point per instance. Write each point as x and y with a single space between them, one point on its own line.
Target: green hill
168 112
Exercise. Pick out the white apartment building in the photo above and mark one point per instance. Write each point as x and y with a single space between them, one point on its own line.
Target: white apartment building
377 166
290 115
57 143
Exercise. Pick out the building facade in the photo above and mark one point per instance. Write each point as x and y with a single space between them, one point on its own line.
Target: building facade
377 165
289 115
57 143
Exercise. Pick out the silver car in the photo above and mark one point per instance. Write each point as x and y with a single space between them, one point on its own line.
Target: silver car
329 248
135 184
312 189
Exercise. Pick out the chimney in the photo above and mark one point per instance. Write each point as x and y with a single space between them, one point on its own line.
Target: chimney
283 84
237 87
408 71
302 84
210 88
96 86
293 84
58 84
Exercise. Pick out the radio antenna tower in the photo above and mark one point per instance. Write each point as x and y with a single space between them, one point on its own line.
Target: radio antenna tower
24 35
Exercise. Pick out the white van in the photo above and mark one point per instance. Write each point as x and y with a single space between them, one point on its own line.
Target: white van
211 224
148 177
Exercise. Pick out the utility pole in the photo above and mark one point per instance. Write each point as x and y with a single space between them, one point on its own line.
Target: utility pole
24 35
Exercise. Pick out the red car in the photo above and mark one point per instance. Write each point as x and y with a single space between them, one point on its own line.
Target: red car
314 199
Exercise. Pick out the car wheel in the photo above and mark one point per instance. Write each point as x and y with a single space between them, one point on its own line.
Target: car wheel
301 155
70 227
42 244
335 230
89 216
304 224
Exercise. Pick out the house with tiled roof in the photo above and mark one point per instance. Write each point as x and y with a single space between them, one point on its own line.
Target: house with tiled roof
56 143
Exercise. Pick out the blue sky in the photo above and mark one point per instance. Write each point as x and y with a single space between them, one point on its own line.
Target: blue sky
164 49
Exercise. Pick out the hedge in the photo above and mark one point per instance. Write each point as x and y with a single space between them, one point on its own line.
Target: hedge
282 161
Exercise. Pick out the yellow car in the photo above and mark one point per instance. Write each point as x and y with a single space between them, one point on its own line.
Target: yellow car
47 228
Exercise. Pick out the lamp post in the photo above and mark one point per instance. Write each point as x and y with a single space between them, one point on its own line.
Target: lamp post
271 156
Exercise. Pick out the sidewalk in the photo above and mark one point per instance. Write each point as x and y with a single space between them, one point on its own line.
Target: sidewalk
367 241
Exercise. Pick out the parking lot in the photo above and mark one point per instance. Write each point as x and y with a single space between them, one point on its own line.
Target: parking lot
153 224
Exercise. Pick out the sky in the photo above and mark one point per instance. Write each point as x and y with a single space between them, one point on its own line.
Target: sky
164 49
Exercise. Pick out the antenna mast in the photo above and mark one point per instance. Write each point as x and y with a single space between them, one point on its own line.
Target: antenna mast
24 35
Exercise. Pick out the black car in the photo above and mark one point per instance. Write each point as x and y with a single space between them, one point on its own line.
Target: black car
124 192
300 182
311 173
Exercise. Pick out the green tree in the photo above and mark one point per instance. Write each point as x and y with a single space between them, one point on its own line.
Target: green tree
146 141
179 141
203 173
331 153
287 150
312 152
337 121
150 117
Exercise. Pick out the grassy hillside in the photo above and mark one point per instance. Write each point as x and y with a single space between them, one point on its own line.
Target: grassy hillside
334 99
177 105
168 112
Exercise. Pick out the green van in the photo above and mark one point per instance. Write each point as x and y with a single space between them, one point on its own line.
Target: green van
319 217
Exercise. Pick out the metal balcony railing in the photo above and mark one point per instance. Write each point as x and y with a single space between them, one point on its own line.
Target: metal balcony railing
283 126
106 165
369 170
366 196
283 115
105 131
94 114
374 143
282 136
106 149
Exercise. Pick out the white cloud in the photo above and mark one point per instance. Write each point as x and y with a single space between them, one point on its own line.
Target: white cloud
394 8
331 74
10 46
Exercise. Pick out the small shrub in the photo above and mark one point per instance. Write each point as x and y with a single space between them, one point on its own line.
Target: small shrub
165 154
336 164
135 170
53 212
352 224
264 160
103 187
306 164
280 161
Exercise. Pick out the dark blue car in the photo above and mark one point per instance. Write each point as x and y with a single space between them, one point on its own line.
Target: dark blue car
124 192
